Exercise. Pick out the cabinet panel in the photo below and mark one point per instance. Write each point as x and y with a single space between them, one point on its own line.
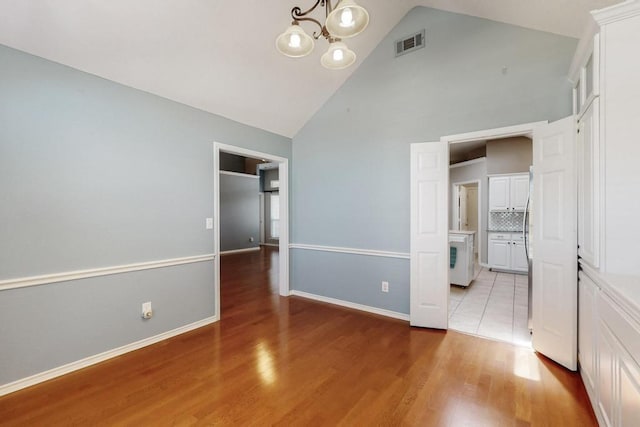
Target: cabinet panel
519 261
499 193
499 254
508 193
606 373
586 329
629 392
519 192
588 185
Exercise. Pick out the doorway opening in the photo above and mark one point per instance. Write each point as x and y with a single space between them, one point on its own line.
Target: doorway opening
280 206
492 299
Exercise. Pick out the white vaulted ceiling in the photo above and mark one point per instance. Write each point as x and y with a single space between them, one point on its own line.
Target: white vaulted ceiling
220 56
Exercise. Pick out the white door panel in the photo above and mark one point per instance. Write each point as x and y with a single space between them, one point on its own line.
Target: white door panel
429 270
555 242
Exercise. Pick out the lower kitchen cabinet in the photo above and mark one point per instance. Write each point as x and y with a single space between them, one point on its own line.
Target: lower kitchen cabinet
609 353
507 252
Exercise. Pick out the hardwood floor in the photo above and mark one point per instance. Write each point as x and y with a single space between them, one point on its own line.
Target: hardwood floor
291 361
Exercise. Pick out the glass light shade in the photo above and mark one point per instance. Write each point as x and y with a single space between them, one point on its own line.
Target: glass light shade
347 20
294 42
338 56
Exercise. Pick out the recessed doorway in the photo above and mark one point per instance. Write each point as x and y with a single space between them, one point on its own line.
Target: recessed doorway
280 254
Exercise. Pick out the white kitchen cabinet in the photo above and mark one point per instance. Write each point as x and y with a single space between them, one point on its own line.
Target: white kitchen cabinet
499 193
508 193
499 254
589 184
519 192
506 252
586 327
519 261
609 349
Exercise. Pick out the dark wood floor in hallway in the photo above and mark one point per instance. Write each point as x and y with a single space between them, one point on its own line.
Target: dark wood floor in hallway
294 362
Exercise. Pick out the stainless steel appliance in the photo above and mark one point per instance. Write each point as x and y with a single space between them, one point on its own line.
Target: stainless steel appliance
527 231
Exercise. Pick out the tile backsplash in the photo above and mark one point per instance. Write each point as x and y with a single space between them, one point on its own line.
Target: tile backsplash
505 221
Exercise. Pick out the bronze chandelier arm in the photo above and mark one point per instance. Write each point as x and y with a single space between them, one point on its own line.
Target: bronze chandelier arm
298 15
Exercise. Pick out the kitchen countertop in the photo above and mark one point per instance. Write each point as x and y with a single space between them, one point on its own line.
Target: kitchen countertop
504 231
461 232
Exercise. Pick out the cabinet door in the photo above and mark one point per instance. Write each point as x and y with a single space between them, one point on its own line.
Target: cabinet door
607 368
500 254
519 192
499 193
629 391
588 185
519 261
586 327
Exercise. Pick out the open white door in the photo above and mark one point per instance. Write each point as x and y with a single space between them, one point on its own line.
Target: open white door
555 277
429 274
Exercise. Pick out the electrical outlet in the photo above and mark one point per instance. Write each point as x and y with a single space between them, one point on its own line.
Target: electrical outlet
251 239
209 223
147 310
385 286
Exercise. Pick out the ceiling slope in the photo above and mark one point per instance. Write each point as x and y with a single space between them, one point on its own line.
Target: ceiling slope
220 56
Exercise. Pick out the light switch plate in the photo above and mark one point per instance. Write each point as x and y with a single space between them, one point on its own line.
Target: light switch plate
209 223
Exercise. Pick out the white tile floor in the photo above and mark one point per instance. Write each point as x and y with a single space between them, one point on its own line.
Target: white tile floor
494 305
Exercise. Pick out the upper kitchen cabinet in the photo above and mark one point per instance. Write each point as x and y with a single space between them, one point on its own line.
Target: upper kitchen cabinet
508 193
605 74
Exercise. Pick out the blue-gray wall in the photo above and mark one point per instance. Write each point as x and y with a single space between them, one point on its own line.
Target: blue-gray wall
96 174
239 212
350 173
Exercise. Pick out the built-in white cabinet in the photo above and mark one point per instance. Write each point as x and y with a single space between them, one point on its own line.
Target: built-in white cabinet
507 252
605 75
508 193
609 352
588 141
586 330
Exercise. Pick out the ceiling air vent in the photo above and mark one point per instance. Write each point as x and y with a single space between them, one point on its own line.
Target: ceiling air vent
411 43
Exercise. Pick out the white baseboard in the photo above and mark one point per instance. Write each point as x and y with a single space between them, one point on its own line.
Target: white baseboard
238 251
348 304
101 357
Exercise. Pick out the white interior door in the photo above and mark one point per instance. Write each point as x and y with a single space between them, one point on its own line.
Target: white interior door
555 280
429 271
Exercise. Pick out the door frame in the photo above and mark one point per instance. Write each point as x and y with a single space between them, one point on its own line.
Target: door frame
455 215
283 171
525 129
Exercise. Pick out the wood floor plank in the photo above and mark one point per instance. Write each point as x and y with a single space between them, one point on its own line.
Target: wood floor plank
291 361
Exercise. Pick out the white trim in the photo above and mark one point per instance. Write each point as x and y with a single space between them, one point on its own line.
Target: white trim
497 133
283 171
243 175
95 272
353 305
237 251
584 49
491 175
617 12
101 357
467 163
249 153
353 251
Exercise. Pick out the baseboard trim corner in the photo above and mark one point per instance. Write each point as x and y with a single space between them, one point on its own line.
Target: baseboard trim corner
101 357
353 305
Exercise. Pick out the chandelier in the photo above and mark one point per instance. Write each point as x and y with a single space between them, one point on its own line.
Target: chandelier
345 20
